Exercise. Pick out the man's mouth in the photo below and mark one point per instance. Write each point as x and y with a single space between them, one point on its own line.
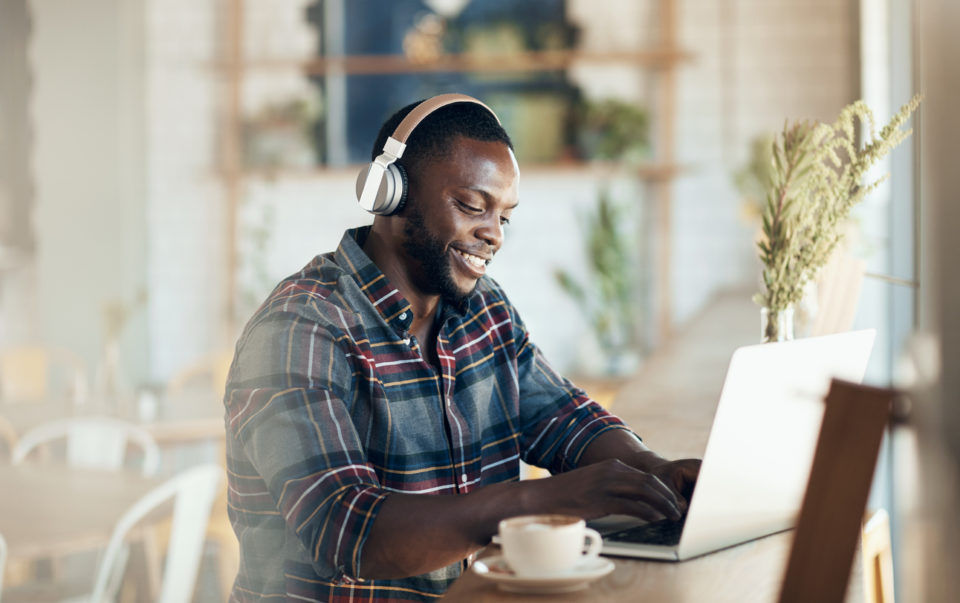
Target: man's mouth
477 262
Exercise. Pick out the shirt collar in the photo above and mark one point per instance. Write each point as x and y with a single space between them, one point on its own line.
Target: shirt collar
386 298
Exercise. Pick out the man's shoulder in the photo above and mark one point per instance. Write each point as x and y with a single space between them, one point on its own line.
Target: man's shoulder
316 292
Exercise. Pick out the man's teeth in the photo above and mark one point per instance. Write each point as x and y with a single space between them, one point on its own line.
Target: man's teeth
476 260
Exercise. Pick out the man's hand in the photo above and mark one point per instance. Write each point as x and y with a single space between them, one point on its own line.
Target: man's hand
617 474
604 488
680 476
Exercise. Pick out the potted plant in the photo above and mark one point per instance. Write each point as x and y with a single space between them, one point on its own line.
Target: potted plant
818 174
607 298
612 130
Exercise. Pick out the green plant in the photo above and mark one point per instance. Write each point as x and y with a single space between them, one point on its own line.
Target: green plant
753 178
613 129
607 297
817 177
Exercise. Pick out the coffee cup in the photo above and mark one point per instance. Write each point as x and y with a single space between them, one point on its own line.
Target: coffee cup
547 545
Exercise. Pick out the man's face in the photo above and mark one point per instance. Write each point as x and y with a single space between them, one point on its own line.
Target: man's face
457 210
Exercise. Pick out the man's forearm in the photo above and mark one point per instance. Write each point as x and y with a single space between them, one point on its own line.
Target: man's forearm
622 445
416 533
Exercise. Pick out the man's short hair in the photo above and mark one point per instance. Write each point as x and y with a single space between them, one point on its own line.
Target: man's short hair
431 139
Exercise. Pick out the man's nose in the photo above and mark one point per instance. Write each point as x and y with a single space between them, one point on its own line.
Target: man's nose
491 231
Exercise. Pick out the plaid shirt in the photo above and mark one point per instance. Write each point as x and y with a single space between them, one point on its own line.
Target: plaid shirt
330 407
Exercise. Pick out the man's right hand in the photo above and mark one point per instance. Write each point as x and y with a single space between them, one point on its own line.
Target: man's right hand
603 488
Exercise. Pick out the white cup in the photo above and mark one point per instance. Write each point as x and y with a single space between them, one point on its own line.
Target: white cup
547 545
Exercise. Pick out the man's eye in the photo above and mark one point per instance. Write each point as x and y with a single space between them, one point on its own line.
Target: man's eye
504 220
469 208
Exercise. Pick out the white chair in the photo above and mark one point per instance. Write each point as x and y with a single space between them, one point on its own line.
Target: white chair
3 561
192 491
92 442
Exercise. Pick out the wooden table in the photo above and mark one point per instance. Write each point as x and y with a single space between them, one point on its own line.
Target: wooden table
184 419
749 572
49 510
670 402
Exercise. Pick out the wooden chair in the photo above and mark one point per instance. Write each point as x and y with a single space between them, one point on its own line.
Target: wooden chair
33 373
8 439
877 556
831 516
3 561
838 293
208 373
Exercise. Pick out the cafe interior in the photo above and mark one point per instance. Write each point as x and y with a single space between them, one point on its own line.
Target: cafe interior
163 164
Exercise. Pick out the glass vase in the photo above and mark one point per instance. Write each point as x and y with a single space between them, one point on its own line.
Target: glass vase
776 325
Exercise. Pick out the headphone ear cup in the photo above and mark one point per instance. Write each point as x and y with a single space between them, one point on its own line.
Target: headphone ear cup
400 188
391 193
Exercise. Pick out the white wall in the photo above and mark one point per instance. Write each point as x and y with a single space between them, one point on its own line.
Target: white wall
87 126
102 236
186 205
758 63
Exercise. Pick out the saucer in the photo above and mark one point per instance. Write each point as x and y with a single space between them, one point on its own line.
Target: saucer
496 570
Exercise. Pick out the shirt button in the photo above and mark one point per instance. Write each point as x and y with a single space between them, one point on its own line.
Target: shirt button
463 478
403 316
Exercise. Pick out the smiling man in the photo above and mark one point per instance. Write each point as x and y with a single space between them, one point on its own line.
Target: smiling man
382 398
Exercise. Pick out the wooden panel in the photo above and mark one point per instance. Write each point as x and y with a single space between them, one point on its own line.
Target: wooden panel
830 518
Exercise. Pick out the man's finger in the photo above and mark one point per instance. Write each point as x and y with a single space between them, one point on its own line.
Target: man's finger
661 497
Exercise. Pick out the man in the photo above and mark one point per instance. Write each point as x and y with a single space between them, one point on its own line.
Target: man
382 398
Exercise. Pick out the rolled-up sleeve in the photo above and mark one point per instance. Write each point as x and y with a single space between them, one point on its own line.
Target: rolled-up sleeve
288 408
558 420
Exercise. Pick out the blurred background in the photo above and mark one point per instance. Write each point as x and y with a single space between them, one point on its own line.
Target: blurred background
164 163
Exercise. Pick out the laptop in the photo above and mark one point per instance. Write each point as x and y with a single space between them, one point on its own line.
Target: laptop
759 453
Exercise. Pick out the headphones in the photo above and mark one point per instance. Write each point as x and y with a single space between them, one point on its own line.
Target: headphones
382 185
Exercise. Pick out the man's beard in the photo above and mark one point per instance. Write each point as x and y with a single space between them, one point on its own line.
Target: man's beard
430 251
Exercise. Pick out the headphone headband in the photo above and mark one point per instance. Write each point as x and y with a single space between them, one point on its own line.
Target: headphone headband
382 185
421 111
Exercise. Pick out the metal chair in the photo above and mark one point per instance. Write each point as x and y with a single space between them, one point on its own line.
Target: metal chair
92 442
192 492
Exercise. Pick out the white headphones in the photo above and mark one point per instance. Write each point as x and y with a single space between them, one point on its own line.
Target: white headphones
382 185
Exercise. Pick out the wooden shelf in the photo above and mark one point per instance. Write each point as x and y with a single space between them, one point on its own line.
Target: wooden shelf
653 172
662 58
554 60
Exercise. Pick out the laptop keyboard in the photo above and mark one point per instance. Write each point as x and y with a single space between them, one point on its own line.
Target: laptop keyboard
664 532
